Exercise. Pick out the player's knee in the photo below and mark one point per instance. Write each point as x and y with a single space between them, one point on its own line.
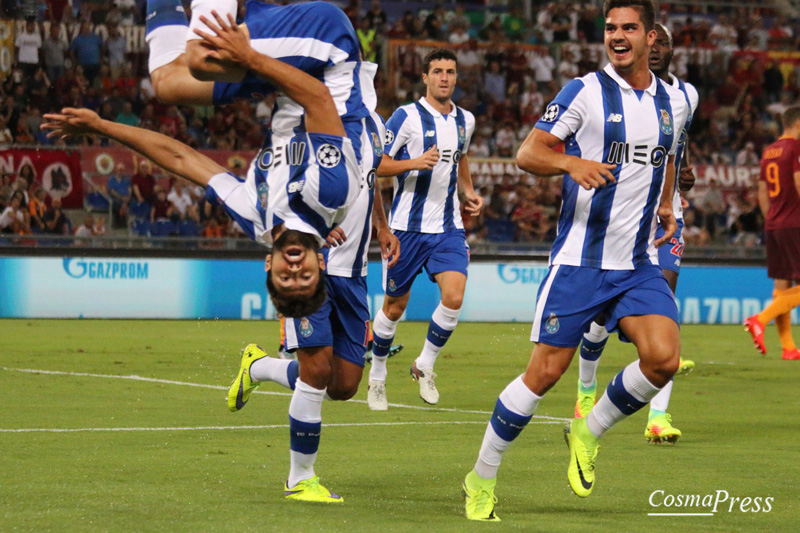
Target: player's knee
659 364
453 301
394 310
340 392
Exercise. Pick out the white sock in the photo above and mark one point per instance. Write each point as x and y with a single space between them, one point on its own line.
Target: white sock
383 331
271 369
305 421
661 400
628 392
516 402
596 333
204 7
442 324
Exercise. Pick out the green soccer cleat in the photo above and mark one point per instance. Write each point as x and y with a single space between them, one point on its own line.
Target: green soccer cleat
480 498
242 386
685 366
582 456
310 490
586 400
660 429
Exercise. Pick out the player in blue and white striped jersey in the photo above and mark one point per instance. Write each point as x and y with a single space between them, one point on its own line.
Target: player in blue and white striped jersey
620 127
426 145
659 426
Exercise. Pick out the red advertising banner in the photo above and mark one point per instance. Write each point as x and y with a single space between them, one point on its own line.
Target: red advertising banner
58 171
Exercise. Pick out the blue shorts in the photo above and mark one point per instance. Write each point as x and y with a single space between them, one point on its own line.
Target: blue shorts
435 252
670 254
341 322
570 297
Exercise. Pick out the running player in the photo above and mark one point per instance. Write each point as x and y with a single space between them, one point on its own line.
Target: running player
620 127
779 198
426 146
659 422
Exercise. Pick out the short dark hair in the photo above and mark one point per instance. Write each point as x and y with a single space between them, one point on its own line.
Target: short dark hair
647 12
298 306
436 55
791 116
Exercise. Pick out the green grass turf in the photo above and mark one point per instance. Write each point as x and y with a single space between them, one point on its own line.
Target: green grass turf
738 412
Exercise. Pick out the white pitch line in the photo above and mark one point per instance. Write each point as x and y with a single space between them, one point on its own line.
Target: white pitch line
226 428
219 387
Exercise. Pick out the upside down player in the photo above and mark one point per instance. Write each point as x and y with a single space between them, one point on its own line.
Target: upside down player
620 127
659 423
779 198
314 206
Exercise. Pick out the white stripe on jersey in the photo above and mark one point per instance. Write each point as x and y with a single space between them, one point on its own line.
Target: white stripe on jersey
601 118
427 204
350 259
694 99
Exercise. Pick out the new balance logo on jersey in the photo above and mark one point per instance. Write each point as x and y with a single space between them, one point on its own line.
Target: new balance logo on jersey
292 154
614 117
296 186
430 133
640 154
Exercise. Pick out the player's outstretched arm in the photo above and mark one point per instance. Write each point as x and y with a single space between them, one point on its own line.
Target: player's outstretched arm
232 46
393 167
537 156
474 201
168 153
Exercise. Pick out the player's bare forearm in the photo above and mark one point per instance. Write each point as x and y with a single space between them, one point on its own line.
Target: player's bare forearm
232 45
537 156
474 201
668 191
166 152
204 67
393 167
379 221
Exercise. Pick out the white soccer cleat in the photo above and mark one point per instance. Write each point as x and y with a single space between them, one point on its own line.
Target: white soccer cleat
376 396
427 386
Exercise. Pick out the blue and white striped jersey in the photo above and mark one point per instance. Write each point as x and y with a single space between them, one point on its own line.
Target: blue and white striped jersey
601 118
350 259
315 37
692 98
426 201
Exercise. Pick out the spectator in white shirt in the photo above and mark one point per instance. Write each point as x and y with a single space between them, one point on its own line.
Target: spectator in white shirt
28 44
182 201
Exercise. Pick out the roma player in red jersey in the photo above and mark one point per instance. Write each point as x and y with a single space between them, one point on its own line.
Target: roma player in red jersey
779 198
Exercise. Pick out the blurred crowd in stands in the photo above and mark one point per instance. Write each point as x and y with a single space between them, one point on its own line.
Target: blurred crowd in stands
76 53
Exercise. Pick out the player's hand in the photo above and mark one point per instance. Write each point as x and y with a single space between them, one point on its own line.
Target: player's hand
591 174
335 237
390 246
71 122
686 178
666 217
230 43
473 203
428 160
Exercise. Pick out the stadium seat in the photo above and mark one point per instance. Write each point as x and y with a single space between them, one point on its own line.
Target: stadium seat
139 210
500 230
97 202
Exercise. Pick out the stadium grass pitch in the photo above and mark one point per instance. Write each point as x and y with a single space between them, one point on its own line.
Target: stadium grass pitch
122 426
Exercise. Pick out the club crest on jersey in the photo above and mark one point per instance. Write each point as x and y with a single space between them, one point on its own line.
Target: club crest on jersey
392 286
377 148
665 123
389 138
462 135
306 329
552 325
263 194
328 155
551 114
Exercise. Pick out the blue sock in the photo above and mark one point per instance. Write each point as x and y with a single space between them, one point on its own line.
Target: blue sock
292 373
164 13
381 346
